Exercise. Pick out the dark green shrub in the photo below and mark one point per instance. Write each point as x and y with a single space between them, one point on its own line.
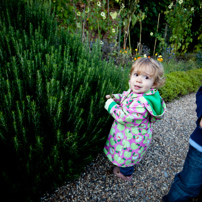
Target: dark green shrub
181 83
53 87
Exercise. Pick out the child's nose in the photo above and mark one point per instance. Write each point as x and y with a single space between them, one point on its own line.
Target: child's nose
139 79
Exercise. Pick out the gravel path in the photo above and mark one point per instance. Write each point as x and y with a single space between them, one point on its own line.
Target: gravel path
153 176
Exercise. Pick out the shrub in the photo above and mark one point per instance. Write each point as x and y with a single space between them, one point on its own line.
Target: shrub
181 83
52 120
179 65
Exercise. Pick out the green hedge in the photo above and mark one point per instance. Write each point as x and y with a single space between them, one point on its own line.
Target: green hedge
181 83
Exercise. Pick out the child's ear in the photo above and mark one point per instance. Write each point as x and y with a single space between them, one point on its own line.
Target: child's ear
154 85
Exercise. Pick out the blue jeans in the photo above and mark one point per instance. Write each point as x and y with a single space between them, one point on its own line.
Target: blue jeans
127 171
188 182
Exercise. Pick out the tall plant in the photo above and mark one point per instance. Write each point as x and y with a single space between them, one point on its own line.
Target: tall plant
93 17
52 120
179 18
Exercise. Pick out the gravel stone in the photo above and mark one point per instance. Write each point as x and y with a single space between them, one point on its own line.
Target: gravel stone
152 177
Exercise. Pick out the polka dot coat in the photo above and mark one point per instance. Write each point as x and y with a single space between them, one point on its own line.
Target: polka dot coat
131 132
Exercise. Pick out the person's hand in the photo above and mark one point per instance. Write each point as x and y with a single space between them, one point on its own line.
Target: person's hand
200 123
110 96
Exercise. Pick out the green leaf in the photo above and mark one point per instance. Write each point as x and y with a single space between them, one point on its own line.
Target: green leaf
59 8
134 19
60 15
65 14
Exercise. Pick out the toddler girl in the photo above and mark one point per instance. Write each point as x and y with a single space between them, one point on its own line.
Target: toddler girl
134 111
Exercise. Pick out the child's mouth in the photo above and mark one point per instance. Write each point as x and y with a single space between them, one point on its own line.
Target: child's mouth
136 87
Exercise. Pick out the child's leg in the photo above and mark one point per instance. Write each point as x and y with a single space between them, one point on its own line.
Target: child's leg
188 182
128 171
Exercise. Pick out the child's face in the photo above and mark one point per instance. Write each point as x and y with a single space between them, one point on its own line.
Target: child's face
141 80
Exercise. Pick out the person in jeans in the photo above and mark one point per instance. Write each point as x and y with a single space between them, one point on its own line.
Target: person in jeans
134 111
188 182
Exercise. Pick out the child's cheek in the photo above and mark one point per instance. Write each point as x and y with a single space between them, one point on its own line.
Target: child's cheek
129 84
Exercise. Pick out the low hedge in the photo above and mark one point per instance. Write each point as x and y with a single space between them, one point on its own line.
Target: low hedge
181 83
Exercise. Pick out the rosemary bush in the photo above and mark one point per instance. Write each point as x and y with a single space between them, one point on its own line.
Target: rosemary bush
52 120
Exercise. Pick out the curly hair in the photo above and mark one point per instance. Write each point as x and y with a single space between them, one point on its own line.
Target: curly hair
158 70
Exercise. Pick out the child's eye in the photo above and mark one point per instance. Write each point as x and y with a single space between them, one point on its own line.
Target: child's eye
135 74
146 77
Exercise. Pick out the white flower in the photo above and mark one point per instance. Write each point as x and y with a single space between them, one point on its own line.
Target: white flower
101 42
122 6
79 13
113 30
151 33
170 6
192 9
103 15
145 55
113 15
180 1
99 4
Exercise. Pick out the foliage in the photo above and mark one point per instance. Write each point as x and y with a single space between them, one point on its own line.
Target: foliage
173 65
149 25
120 22
130 16
122 57
168 54
52 120
180 83
196 28
179 18
92 17
199 58
198 47
97 20
95 17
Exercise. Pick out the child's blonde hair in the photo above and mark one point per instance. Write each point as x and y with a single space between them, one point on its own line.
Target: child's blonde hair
158 70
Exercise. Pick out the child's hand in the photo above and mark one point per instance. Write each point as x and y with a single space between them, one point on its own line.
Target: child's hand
200 123
110 96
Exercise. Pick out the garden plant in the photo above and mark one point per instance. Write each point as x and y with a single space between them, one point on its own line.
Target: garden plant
52 95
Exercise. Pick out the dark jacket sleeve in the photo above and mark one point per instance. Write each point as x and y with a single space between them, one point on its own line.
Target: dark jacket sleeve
199 105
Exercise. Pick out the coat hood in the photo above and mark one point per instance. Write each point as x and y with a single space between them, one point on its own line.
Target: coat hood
155 101
154 104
